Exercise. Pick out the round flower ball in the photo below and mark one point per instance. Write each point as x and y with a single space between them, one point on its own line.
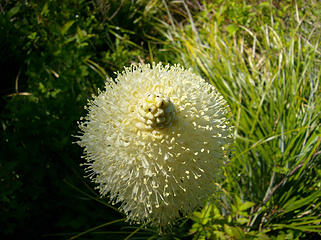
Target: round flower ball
154 141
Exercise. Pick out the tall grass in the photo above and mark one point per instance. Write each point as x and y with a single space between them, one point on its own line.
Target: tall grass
270 77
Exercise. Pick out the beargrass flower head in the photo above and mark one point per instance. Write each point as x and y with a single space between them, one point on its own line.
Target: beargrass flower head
154 141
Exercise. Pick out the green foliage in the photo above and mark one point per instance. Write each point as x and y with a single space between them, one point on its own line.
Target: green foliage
233 16
270 76
211 223
53 57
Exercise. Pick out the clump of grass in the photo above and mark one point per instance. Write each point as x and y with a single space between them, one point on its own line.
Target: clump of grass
270 78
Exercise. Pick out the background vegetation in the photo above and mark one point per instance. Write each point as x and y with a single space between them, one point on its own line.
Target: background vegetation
264 56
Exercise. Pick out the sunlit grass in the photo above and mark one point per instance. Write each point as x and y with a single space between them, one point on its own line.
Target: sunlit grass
270 79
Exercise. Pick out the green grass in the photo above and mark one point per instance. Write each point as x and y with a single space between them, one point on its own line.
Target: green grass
270 77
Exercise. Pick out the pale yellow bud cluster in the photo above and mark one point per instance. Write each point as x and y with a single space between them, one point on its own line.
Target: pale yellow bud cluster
155 111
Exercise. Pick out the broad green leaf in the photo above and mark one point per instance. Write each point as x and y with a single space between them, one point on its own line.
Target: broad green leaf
242 220
246 205
228 230
238 233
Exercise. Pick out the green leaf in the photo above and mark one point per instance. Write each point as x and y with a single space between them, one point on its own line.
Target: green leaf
217 213
308 228
238 233
98 69
32 36
234 232
228 230
231 29
13 11
44 11
262 236
66 27
197 214
246 205
242 220
294 204
264 5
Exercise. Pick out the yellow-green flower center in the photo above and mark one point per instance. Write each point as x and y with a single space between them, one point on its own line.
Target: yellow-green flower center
155 111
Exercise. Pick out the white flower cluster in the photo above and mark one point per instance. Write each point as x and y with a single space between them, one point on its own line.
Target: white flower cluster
154 141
